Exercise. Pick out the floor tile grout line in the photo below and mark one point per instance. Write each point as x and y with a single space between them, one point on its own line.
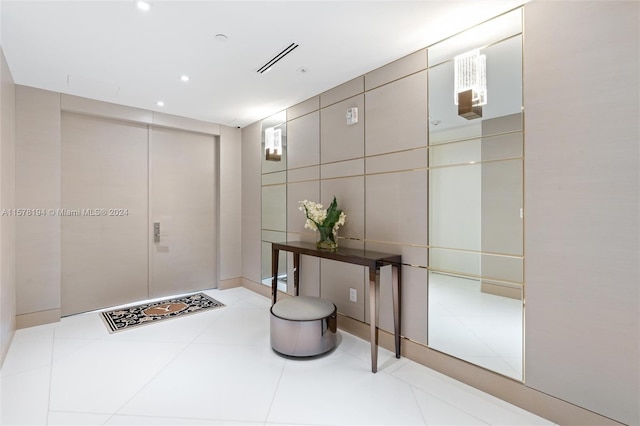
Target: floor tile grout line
53 347
415 398
187 345
275 391
145 385
469 391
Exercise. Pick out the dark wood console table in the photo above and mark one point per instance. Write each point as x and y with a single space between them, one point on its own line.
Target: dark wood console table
373 260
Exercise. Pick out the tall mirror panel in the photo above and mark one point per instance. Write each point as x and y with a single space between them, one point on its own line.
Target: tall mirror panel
476 207
274 194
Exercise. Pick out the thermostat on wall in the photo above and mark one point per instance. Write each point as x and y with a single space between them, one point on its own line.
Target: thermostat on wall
352 116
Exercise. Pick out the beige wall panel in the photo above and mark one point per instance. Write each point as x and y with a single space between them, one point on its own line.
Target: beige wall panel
251 190
414 303
87 106
80 105
338 141
582 197
342 92
303 108
303 174
230 224
397 115
342 169
396 207
349 193
275 178
303 141
104 259
510 145
37 318
410 64
502 201
37 186
502 268
7 200
336 280
411 255
299 192
184 123
455 210
455 261
398 161
456 153
309 275
506 124
273 198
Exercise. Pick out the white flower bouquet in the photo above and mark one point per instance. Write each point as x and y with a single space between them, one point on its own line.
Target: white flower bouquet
325 221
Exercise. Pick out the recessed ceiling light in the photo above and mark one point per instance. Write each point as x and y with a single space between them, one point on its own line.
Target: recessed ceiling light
221 37
184 78
143 5
160 103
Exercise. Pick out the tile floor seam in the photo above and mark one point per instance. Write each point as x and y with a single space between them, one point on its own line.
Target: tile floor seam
275 391
53 347
415 398
215 320
452 406
444 401
141 388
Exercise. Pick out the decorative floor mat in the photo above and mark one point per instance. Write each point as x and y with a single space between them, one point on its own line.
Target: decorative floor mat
148 313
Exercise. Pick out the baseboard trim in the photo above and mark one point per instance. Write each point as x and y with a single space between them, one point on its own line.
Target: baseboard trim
500 289
37 318
229 283
261 289
502 387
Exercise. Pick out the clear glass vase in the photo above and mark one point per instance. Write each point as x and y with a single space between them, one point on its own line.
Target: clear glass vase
328 239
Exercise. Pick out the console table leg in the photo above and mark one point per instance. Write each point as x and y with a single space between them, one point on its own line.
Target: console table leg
395 286
296 273
275 255
372 319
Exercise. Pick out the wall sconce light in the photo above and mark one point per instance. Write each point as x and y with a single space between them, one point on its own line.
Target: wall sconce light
273 144
352 116
470 81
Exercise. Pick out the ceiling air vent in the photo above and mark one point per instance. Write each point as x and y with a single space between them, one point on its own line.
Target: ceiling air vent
271 62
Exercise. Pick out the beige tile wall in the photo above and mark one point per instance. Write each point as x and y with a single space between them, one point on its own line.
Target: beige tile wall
582 192
38 177
581 189
371 167
7 201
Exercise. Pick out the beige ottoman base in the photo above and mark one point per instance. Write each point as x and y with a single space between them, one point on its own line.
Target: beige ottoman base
303 326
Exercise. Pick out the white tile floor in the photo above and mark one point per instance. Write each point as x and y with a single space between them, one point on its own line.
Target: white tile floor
216 368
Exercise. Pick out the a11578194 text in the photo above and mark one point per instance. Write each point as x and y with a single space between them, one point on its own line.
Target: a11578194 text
64 212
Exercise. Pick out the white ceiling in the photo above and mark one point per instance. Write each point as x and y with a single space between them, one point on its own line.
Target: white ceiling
114 52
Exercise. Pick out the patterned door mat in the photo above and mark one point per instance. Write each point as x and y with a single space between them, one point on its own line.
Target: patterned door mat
148 313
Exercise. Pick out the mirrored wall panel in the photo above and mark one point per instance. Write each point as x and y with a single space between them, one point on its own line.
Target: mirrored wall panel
274 194
476 196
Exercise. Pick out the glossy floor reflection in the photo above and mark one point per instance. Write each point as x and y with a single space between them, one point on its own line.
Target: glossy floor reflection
481 328
216 368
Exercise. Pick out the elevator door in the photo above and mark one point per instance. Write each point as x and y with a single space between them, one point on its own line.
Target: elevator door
118 179
183 205
104 213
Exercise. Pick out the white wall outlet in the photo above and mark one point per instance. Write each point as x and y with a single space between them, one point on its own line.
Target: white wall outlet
353 295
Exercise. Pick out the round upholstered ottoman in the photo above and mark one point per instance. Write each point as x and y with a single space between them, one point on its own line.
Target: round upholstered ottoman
303 326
